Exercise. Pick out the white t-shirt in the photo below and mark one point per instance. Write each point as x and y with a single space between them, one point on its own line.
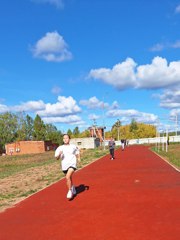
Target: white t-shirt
68 155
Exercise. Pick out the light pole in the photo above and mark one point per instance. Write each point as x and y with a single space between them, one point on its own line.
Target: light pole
104 127
118 126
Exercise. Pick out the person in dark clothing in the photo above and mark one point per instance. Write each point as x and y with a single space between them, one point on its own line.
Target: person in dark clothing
111 145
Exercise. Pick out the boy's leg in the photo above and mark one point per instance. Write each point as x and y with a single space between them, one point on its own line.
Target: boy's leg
113 153
69 178
70 183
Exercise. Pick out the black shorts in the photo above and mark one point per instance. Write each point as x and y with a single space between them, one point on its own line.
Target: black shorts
65 171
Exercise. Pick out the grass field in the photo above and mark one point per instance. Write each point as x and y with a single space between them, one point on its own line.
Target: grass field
21 176
172 155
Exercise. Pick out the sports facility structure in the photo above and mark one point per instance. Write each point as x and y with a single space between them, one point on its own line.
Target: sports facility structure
136 196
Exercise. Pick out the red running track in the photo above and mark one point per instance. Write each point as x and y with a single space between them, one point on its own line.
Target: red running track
134 197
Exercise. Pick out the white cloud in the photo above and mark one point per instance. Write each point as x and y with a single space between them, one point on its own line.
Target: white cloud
127 115
120 76
52 48
29 106
71 119
64 107
118 113
65 110
115 105
93 117
158 74
170 99
161 46
157 47
4 108
93 103
56 3
175 113
177 10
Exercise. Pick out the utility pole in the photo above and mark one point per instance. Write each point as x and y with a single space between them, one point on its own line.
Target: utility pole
157 136
104 126
118 126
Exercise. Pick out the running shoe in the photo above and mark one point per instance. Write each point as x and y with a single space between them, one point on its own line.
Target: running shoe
69 194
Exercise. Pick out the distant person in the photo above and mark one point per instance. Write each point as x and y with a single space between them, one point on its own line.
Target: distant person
122 144
111 145
69 155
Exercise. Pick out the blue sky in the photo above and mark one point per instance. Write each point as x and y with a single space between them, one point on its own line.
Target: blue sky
79 62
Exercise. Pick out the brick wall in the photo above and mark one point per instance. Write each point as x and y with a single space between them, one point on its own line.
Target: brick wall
25 147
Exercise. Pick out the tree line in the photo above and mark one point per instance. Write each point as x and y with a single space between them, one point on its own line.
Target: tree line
134 130
21 127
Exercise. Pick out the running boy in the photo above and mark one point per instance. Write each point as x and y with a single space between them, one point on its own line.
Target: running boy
69 154
111 145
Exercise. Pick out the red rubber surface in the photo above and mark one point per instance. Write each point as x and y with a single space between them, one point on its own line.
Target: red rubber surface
134 197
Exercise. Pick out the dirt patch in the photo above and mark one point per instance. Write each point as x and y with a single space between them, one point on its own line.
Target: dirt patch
17 187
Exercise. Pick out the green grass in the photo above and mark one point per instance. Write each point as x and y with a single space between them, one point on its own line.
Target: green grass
10 165
25 194
172 155
7 196
44 163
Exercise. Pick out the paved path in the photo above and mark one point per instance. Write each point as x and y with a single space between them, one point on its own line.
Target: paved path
134 197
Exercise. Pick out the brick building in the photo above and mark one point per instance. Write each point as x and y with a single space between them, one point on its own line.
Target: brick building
28 147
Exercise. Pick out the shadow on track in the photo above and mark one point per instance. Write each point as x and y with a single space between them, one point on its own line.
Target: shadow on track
79 189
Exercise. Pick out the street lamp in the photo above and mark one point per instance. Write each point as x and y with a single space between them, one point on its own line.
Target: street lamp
104 127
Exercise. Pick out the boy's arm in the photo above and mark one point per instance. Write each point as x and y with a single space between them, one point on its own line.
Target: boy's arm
58 154
78 157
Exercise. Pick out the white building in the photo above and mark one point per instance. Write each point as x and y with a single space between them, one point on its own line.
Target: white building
86 143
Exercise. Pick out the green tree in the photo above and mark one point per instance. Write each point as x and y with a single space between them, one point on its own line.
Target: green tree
115 130
133 130
53 134
116 125
85 134
29 127
69 132
133 125
76 132
39 132
8 128
21 127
